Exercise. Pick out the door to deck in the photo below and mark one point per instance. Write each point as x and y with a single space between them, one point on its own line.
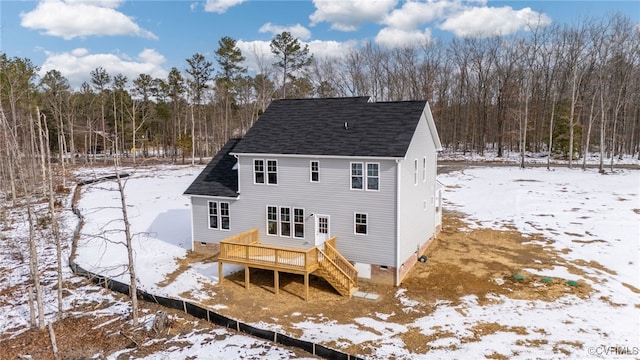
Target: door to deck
322 229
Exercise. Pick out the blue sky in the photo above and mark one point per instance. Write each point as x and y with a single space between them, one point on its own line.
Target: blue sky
143 36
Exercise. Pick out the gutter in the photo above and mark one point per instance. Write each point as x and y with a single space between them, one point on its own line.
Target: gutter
315 156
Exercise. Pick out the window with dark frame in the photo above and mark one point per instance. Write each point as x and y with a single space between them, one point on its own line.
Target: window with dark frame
315 171
361 223
258 171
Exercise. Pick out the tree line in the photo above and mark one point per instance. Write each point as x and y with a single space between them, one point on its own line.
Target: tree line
563 89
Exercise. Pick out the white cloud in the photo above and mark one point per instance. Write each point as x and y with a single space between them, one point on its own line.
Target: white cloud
102 3
488 21
77 64
220 6
297 30
73 18
324 49
399 38
414 14
257 54
349 15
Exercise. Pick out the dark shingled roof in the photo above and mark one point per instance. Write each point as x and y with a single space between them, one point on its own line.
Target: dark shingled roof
336 127
218 178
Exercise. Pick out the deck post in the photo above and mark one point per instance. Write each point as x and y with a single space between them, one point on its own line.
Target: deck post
246 277
220 272
306 286
276 281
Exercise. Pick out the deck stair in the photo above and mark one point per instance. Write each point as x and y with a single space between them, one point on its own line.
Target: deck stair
338 272
325 261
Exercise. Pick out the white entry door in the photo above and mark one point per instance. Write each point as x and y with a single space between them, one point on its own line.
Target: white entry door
322 229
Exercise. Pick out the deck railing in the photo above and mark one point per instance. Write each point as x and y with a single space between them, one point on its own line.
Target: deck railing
337 266
245 249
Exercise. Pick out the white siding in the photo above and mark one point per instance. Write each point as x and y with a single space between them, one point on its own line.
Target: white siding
200 220
330 196
417 221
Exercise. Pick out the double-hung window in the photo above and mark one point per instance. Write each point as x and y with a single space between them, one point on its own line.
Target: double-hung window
224 215
357 178
361 180
258 171
373 176
272 220
265 171
219 215
298 223
360 223
272 172
415 172
315 171
285 221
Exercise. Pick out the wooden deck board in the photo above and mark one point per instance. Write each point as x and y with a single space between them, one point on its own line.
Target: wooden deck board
244 249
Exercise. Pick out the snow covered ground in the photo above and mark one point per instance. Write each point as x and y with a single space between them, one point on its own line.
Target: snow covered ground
593 219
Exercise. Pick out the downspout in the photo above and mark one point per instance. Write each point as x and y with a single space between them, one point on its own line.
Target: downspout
398 187
238 170
192 225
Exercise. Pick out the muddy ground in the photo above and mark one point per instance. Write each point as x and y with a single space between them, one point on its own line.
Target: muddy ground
461 261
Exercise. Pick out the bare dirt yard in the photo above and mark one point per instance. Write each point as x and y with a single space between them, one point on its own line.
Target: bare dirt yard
461 262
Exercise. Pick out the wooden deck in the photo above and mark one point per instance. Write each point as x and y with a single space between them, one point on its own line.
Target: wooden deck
245 249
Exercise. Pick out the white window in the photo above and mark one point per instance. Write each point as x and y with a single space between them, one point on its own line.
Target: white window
315 171
285 221
415 172
213 215
357 179
262 175
272 220
298 223
279 221
373 176
224 215
272 172
219 216
360 181
360 222
258 171
424 169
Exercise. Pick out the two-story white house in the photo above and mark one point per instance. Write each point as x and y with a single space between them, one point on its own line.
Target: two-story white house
309 170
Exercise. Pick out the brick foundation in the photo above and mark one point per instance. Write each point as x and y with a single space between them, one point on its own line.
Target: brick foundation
382 275
413 259
206 248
